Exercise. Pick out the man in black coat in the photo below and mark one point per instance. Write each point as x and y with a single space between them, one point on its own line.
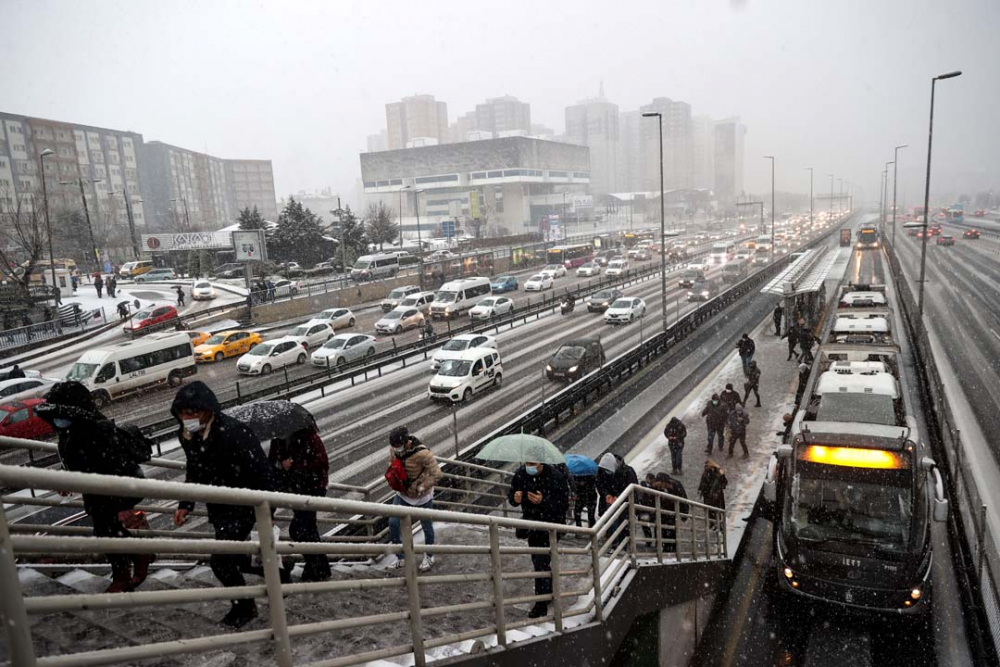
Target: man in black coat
542 492
675 433
730 398
221 451
673 486
90 442
792 334
715 415
777 315
746 348
584 491
15 373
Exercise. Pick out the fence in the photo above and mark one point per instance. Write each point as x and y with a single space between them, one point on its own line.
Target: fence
642 527
984 572
66 323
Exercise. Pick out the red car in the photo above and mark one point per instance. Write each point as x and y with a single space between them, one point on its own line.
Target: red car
980 213
946 240
936 231
971 234
18 420
151 319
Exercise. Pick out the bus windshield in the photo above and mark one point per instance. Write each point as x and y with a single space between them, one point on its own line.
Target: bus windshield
446 297
81 371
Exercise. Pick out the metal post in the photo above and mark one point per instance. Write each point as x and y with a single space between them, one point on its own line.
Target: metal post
18 631
497 576
633 543
595 572
413 592
771 158
557 602
454 424
272 580
658 529
677 529
90 228
48 226
131 221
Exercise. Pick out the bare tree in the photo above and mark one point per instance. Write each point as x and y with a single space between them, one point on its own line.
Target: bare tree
22 236
381 223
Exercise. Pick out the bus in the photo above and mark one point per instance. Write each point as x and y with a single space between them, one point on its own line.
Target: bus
867 237
722 252
571 256
956 213
853 492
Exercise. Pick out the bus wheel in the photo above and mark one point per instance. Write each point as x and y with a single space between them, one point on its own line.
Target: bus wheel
174 380
101 399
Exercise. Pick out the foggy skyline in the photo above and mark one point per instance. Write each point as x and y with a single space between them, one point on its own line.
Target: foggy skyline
832 86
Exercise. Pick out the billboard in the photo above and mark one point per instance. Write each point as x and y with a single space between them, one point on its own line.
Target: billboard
249 245
187 241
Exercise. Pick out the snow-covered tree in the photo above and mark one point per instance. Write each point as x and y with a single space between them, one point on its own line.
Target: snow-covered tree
381 224
251 219
349 229
298 235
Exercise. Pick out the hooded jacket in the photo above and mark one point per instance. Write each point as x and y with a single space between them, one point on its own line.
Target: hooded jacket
225 453
738 421
753 377
712 485
675 430
613 482
554 489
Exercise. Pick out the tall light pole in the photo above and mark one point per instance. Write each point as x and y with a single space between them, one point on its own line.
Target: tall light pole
86 215
48 227
405 187
895 171
927 193
831 194
886 197
663 231
131 219
810 195
416 207
850 196
840 195
771 158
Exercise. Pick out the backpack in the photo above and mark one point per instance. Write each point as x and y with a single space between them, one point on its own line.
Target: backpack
396 476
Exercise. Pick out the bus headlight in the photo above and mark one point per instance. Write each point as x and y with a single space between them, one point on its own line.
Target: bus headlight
788 573
916 593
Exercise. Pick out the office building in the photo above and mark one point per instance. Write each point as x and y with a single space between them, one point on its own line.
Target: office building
703 152
417 117
503 114
594 123
729 137
678 169
630 151
378 142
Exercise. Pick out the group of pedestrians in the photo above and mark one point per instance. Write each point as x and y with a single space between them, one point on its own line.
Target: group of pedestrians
797 334
111 285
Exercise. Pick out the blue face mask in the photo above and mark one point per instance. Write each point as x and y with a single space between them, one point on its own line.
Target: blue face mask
531 470
61 423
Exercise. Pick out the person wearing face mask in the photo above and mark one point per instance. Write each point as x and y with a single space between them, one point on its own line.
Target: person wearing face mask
542 492
222 451
715 415
422 474
90 442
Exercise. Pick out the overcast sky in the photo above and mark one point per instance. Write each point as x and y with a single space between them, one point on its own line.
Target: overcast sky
831 84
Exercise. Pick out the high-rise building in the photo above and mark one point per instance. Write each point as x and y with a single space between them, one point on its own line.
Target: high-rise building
729 137
678 168
378 142
503 114
594 123
417 117
251 184
703 151
460 129
630 151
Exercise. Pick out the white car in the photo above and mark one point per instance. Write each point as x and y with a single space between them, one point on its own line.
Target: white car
312 333
555 270
283 287
421 301
343 349
624 310
439 255
338 318
640 254
539 282
202 290
454 348
20 389
616 267
697 265
493 306
399 320
589 269
266 357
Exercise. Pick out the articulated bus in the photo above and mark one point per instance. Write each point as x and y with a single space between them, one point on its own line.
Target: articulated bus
571 256
854 490
867 237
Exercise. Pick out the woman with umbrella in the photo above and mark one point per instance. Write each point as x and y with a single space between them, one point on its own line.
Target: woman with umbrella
583 489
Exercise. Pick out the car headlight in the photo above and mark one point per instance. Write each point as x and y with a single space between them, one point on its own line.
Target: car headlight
704 293
548 368
690 293
573 369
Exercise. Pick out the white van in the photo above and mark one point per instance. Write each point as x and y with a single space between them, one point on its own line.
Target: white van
374 267
458 296
132 366
470 373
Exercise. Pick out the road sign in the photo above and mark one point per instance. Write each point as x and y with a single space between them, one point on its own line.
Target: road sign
474 204
448 229
249 245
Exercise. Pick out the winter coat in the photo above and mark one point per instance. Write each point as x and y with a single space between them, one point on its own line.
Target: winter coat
712 486
553 486
738 422
614 483
15 373
583 486
746 347
675 430
715 416
224 453
730 398
753 378
777 314
674 488
310 469
421 468
792 334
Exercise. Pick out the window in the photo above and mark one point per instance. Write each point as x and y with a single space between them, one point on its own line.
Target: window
18 416
107 372
477 368
512 172
489 361
495 174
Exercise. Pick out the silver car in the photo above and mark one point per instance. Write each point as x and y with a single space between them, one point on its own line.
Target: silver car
399 320
343 349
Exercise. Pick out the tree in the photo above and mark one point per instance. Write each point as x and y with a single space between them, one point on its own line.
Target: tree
298 235
252 219
22 237
352 233
381 225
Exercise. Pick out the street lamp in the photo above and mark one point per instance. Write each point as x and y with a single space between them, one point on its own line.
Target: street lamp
131 219
773 253
663 231
405 187
831 195
895 171
86 213
927 192
810 195
885 198
416 208
48 227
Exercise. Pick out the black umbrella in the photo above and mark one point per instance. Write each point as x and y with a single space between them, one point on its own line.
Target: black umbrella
273 419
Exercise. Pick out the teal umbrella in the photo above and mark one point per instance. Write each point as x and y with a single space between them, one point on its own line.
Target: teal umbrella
519 447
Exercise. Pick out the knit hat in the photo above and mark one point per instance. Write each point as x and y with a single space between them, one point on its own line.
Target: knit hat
398 436
608 462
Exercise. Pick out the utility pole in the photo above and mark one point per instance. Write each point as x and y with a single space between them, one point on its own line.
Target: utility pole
810 195
771 158
895 171
663 234
57 294
343 244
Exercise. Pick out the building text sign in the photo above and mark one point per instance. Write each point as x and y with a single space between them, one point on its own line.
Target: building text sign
186 241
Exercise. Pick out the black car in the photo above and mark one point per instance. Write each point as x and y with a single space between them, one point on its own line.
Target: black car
575 359
231 270
703 290
601 300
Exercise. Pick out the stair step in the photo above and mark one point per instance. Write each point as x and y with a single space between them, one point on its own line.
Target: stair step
84 582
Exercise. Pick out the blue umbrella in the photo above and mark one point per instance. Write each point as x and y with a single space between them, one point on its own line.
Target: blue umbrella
581 466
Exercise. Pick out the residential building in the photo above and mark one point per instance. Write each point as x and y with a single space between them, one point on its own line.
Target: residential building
539 130
678 171
503 114
703 138
594 123
729 137
630 151
518 180
462 127
420 116
378 142
251 184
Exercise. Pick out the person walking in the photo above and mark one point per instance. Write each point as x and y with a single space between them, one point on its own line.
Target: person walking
787 420
113 286
730 398
583 492
667 484
180 296
675 433
123 310
15 373
90 442
422 474
806 341
541 490
99 285
752 384
715 415
738 421
613 477
746 348
222 451
776 316
302 467
712 486
792 334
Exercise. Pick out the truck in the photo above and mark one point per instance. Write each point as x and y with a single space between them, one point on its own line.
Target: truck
845 237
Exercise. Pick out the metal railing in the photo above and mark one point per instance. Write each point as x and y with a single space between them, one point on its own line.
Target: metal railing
642 527
983 546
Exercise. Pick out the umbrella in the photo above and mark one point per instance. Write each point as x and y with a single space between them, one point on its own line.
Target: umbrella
581 466
519 447
273 419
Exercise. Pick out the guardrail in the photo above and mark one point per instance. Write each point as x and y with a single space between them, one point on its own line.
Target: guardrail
980 548
641 524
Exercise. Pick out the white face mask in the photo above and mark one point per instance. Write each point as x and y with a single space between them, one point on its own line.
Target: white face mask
192 425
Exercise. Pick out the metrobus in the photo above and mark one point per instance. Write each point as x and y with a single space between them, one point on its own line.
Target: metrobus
722 252
956 213
571 256
868 236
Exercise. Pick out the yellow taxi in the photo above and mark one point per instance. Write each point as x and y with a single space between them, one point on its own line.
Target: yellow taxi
198 337
226 344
